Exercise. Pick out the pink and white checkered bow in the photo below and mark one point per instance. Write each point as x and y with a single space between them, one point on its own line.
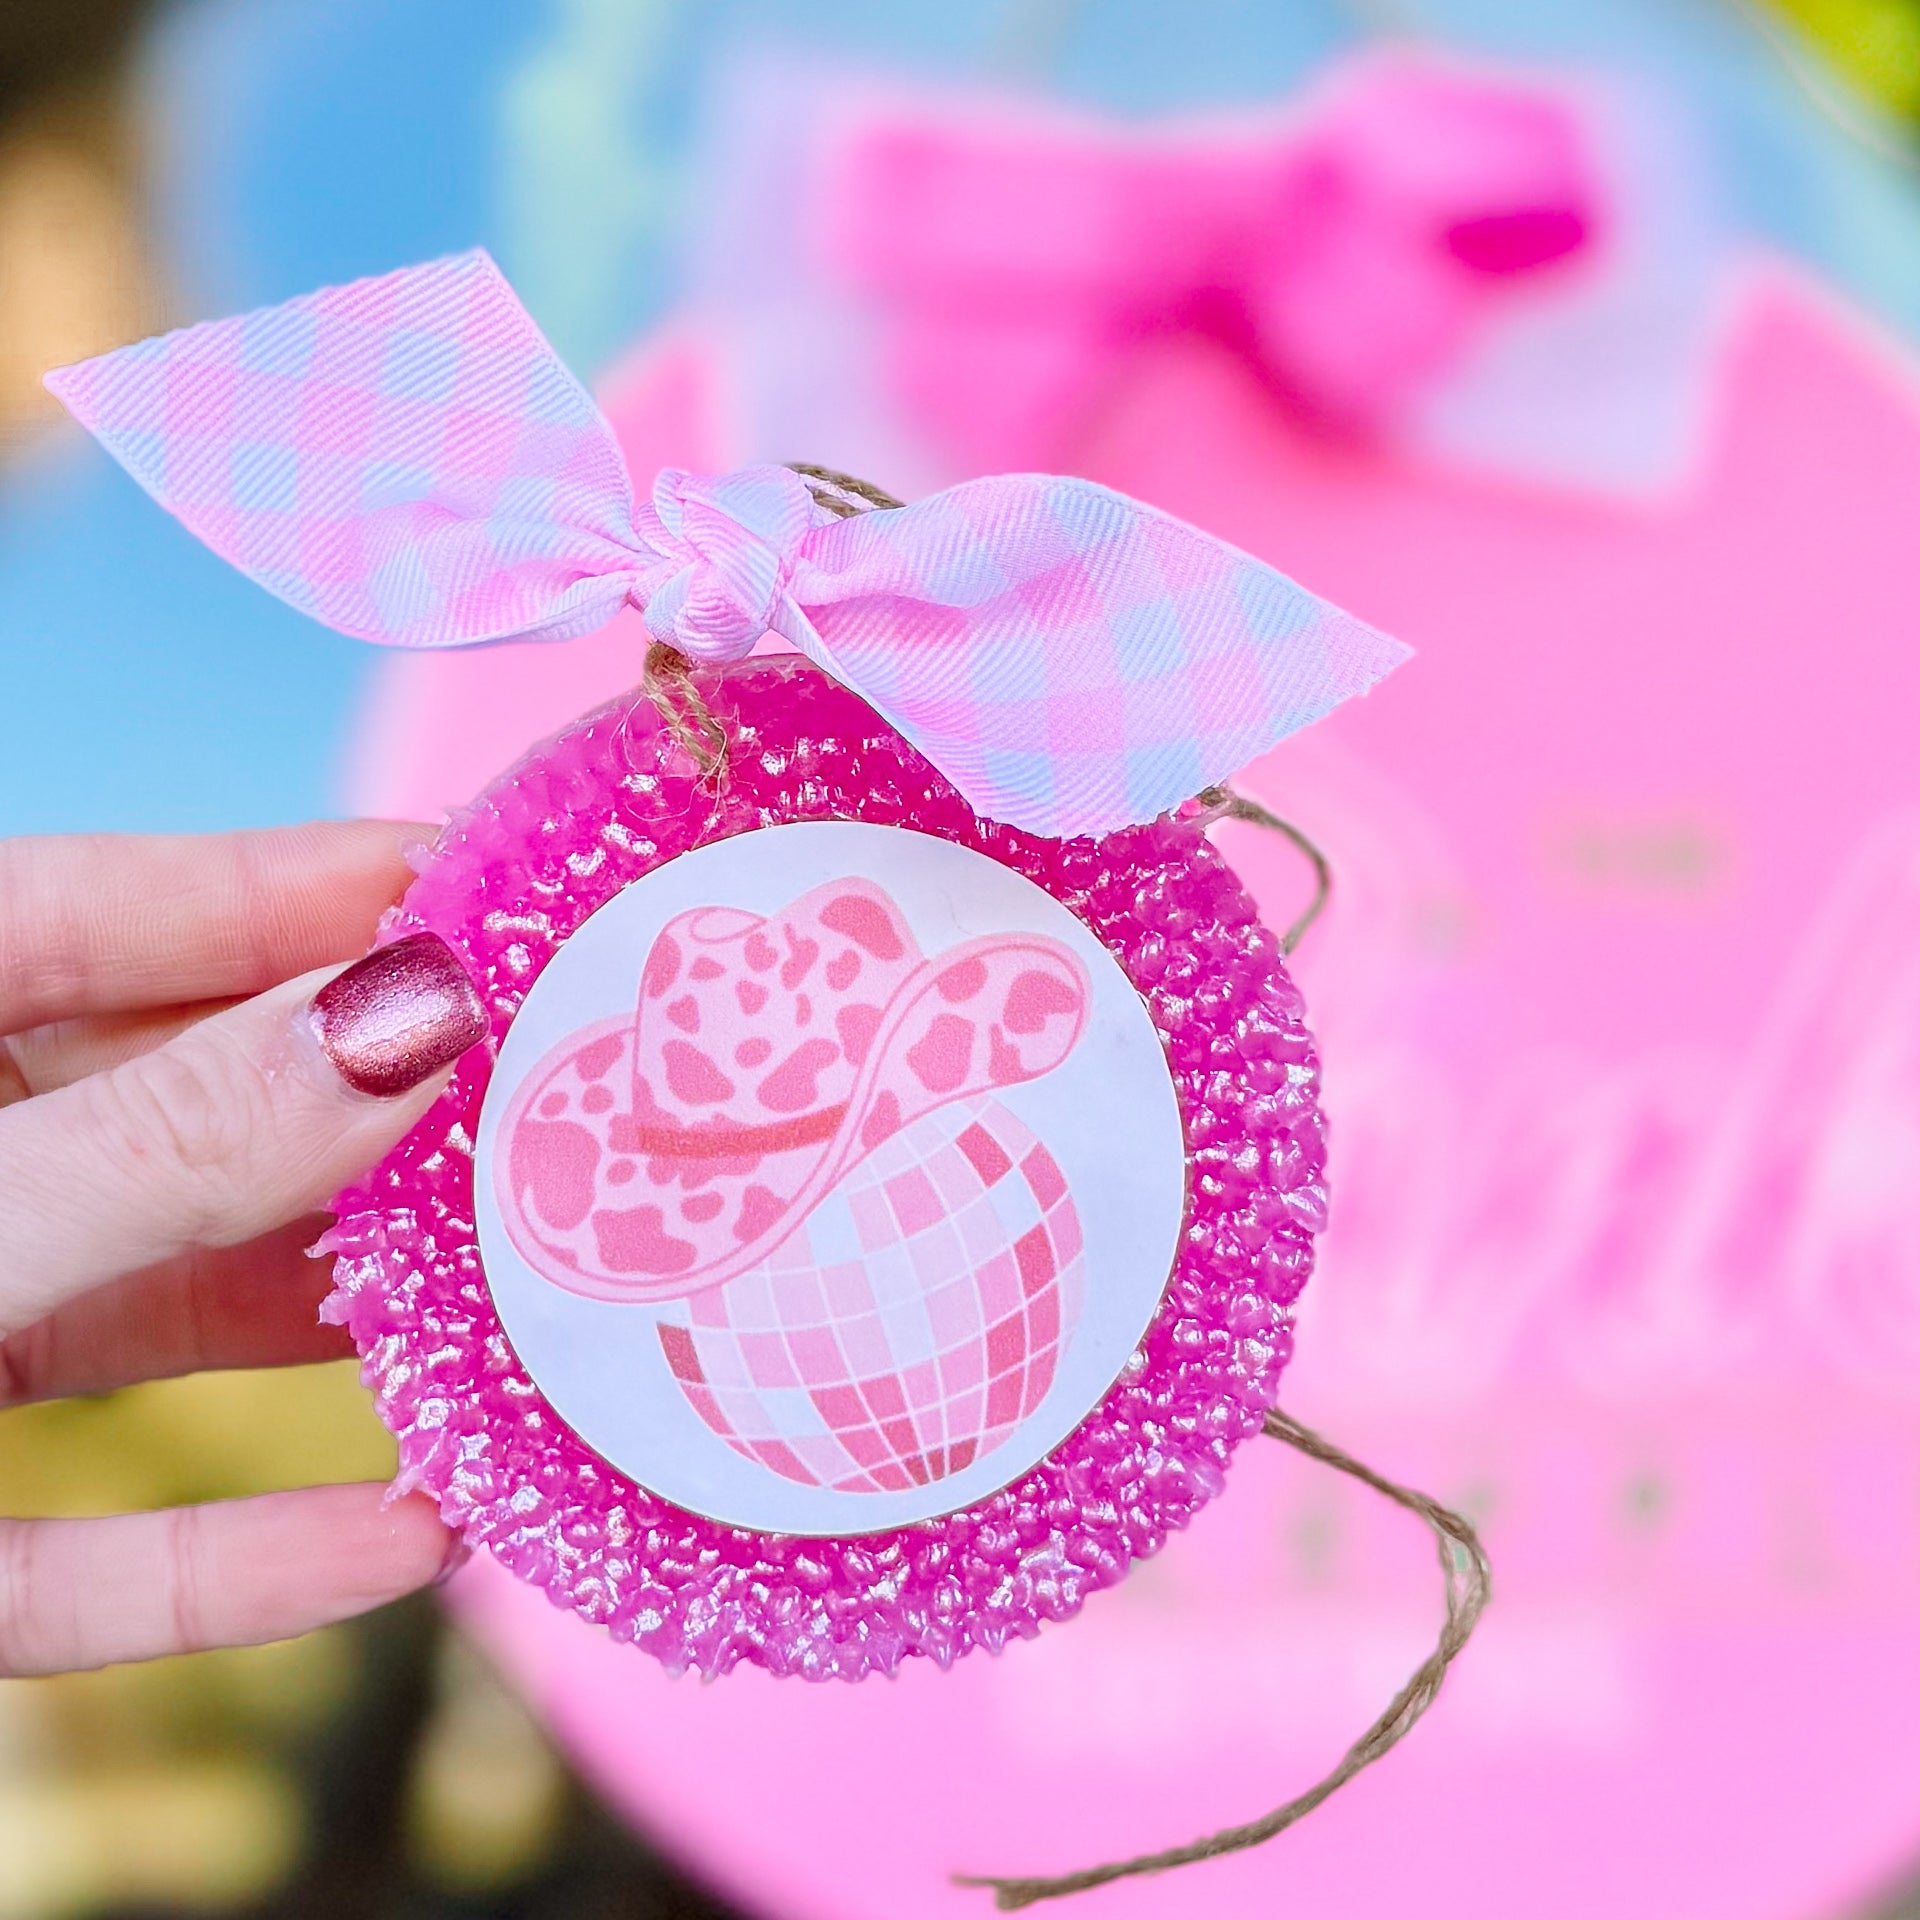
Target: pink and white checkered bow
408 460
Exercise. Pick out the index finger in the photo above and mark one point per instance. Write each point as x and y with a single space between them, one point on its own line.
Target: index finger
89 1593
108 923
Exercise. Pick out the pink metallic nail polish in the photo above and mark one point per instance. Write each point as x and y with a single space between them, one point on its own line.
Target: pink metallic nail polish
402 1013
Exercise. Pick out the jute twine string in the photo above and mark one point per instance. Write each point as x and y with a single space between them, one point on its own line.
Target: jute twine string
1463 1564
840 493
1463 1561
669 679
1222 803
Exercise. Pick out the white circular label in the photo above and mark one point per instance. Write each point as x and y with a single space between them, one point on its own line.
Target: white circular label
828 1176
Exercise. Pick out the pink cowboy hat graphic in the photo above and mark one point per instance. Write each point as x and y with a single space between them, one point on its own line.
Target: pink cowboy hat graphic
654 1156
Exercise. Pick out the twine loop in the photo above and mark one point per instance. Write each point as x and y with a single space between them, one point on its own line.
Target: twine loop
1469 1585
1222 803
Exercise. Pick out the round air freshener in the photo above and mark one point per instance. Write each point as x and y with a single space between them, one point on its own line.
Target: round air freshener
869 1237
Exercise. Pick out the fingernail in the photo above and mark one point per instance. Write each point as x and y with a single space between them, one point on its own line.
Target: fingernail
458 1554
399 1015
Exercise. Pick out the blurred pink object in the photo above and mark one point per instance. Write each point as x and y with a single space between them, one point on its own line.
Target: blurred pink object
1348 257
1618 1004
1616 999
1464 265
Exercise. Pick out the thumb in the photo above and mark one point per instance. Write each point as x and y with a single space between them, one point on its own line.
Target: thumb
248 1119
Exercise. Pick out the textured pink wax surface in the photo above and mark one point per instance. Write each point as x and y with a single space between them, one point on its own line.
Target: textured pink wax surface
507 882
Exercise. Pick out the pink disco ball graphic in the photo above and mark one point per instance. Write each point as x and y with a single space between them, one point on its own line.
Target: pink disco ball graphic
909 1325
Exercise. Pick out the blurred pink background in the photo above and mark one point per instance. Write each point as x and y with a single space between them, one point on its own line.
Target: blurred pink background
1618 1011
1570 343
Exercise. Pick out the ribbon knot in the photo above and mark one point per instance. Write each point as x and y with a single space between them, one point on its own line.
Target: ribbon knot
1072 660
728 542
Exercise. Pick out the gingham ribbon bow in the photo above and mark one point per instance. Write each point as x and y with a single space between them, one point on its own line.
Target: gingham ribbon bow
407 460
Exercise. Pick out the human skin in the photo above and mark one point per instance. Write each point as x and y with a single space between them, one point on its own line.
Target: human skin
173 1118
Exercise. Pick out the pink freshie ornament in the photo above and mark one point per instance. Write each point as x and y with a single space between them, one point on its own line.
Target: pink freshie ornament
926 1369
825 1076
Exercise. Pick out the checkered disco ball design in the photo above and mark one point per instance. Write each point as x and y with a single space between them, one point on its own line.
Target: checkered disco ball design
909 1325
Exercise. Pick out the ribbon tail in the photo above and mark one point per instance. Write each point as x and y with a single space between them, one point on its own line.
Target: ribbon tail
404 458
1072 660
